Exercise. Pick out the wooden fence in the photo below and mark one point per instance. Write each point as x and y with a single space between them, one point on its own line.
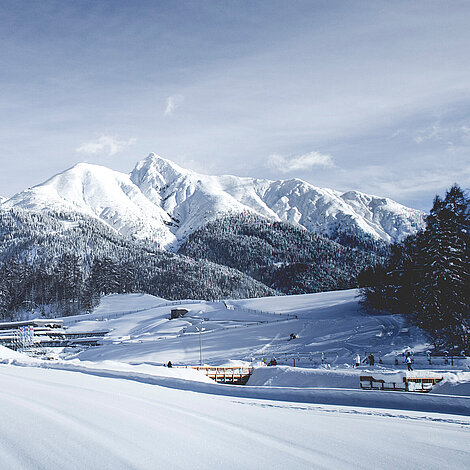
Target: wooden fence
409 384
227 375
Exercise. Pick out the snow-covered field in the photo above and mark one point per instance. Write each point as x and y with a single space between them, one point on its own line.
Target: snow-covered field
116 406
328 325
61 419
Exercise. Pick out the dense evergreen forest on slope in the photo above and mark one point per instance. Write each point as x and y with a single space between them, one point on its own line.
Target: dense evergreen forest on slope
61 263
289 259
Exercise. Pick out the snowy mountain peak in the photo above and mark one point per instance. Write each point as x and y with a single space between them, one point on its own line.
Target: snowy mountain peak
102 193
156 169
193 199
164 202
153 174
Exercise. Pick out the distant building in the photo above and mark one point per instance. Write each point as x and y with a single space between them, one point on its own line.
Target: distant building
36 323
178 313
41 332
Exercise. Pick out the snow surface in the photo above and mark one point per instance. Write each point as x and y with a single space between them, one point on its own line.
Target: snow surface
248 330
454 384
163 202
330 330
251 330
59 419
116 406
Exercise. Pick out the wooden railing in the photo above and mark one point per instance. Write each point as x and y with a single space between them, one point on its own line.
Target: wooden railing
369 383
420 384
409 384
227 375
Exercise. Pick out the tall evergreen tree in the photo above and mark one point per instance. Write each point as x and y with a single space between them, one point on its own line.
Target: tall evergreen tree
442 306
427 275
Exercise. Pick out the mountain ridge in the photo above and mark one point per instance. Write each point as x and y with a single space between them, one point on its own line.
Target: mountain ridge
165 203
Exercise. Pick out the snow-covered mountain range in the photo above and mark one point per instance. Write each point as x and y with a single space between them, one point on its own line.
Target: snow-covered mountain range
165 203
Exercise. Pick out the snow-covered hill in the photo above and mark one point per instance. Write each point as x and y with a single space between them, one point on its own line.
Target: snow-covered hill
163 202
55 419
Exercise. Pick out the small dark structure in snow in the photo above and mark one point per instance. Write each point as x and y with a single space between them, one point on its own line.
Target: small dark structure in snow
178 313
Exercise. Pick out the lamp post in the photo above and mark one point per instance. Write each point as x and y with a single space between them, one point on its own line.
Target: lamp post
200 329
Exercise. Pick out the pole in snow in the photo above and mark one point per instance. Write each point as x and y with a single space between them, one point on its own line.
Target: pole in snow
200 347
200 329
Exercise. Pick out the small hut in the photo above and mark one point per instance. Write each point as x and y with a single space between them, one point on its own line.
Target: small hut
178 313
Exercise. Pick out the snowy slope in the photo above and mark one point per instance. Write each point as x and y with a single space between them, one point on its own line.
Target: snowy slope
99 192
120 408
249 330
163 202
330 330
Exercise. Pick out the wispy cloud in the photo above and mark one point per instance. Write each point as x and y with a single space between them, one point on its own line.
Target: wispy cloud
433 132
173 102
105 144
299 162
451 134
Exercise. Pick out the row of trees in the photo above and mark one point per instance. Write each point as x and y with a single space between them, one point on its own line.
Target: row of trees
66 289
427 276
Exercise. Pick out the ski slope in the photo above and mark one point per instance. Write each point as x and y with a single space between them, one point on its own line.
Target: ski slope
115 406
330 330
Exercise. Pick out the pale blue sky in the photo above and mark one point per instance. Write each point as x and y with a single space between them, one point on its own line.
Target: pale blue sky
373 96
